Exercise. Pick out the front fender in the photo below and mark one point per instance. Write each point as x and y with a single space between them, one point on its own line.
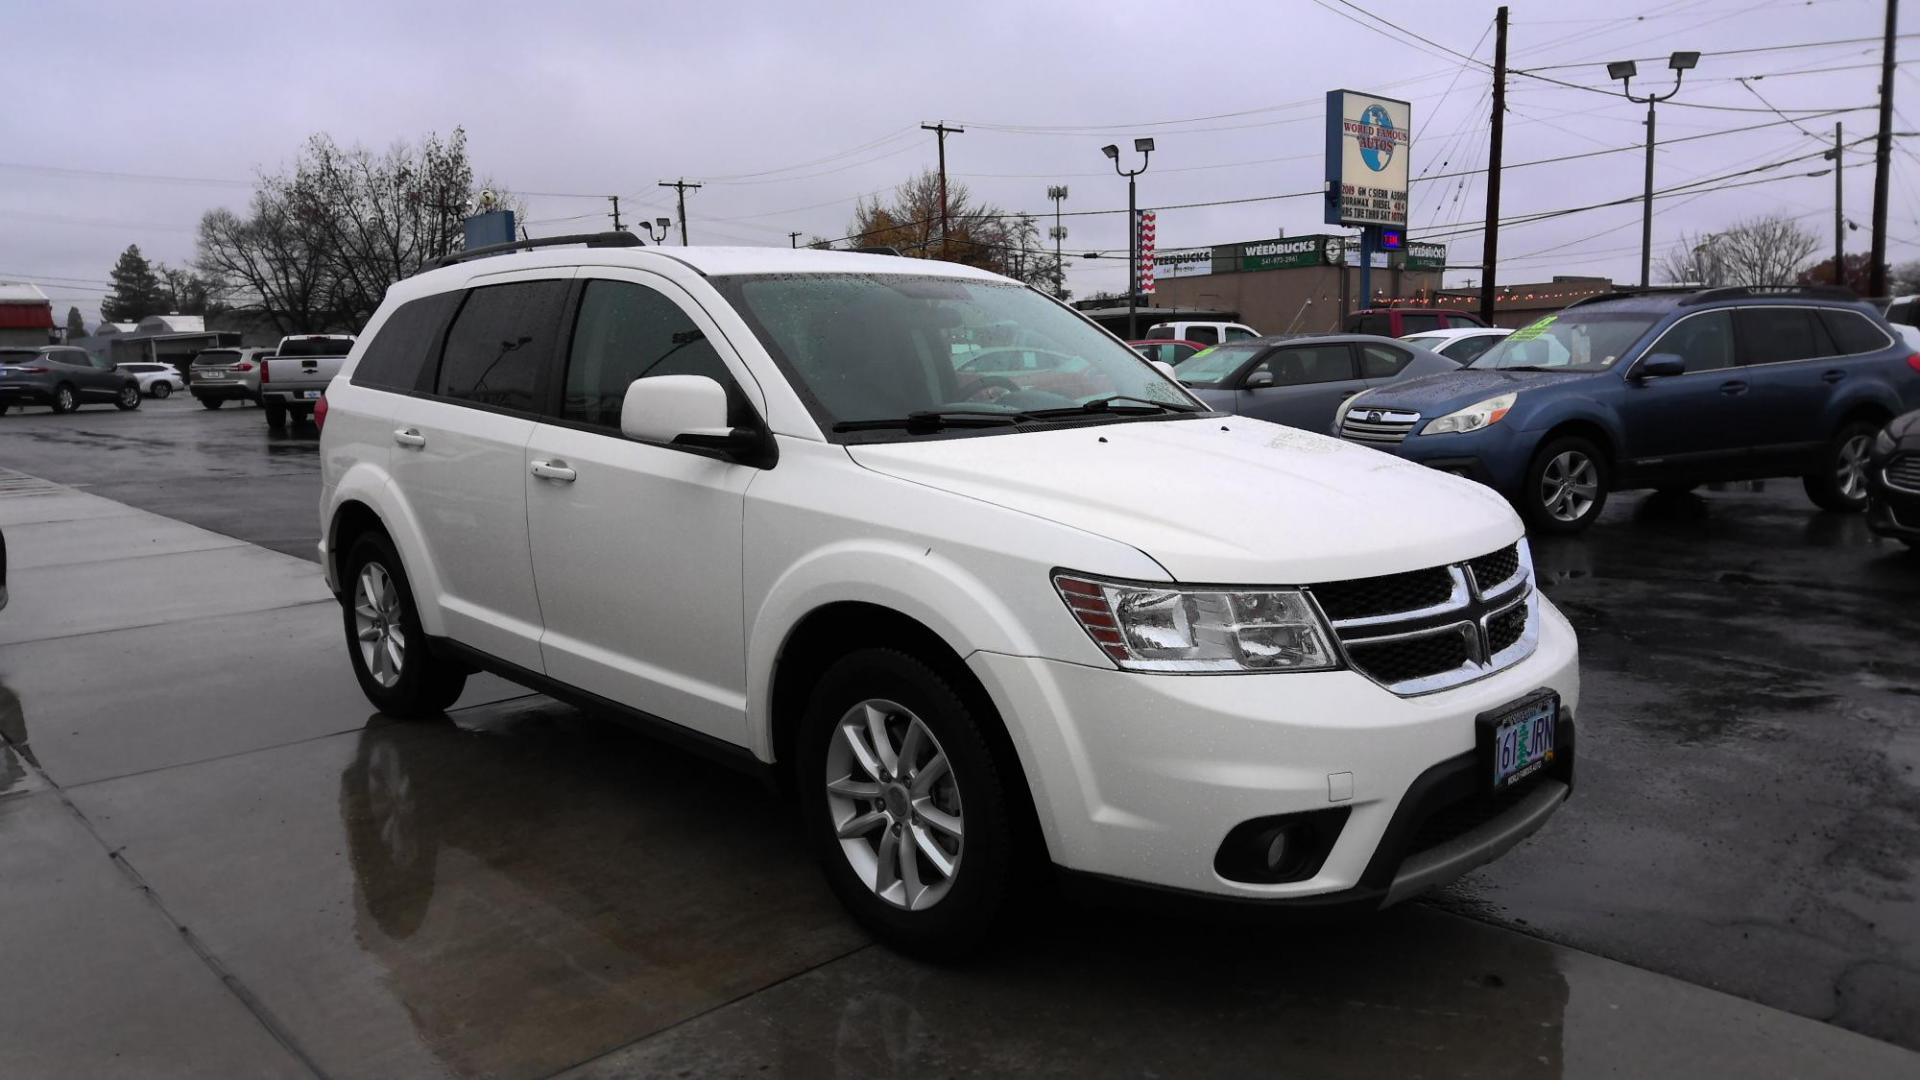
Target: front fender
370 486
964 610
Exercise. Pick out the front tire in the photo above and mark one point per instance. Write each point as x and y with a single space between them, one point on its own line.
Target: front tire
128 399
1841 483
388 649
1565 487
907 807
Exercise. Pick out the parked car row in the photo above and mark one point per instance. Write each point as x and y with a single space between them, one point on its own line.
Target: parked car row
63 378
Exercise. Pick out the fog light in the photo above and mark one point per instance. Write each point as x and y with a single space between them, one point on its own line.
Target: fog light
1281 847
1285 847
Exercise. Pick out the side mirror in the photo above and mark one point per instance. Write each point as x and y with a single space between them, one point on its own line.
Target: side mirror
1661 365
683 410
1166 369
1258 380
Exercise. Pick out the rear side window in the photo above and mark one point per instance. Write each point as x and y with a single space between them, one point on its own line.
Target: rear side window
1204 335
626 332
1900 312
500 348
1853 332
1382 361
1413 322
400 357
1774 335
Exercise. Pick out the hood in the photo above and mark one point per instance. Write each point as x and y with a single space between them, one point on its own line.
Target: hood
1436 395
1233 501
1905 427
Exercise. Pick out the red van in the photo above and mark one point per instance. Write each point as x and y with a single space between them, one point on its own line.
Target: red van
1399 322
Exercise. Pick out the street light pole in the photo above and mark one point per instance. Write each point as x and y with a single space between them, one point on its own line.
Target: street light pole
1145 147
1625 70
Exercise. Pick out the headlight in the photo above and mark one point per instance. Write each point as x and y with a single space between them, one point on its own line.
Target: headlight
1473 417
1170 628
1883 443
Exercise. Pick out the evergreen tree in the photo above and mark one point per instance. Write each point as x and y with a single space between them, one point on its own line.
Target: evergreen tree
136 289
76 326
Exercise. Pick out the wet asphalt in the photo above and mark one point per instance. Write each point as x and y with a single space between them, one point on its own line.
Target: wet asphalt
215 860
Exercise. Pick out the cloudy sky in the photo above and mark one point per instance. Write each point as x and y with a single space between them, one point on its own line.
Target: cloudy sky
137 117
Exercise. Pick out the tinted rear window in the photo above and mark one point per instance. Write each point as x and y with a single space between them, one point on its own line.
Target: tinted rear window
500 348
217 356
1853 332
326 346
1773 335
400 357
1413 321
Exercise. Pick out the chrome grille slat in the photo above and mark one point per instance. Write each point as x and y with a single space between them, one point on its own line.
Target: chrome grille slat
1903 474
1377 425
1421 649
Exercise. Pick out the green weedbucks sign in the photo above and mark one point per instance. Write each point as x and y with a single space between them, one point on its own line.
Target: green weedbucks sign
1290 253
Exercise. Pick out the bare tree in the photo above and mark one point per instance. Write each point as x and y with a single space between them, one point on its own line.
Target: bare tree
978 234
1769 250
320 245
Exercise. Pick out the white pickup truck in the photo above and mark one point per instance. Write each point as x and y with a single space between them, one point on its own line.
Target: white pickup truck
294 377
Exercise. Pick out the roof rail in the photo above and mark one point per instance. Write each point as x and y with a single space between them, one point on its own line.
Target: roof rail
1734 292
599 239
1622 292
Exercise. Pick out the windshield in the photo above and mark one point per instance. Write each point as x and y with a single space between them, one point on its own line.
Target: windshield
1570 341
326 346
1211 367
873 347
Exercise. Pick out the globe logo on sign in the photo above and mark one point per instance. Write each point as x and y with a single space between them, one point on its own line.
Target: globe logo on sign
1377 151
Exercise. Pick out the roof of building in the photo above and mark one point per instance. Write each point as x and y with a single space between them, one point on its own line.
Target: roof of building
174 324
115 328
24 307
21 292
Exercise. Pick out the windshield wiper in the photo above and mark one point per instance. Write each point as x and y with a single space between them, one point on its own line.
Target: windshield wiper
925 420
1118 405
1520 367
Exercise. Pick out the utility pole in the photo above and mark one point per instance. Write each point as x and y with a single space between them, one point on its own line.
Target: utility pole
680 186
1491 255
793 239
615 200
1882 151
1839 211
1058 193
941 131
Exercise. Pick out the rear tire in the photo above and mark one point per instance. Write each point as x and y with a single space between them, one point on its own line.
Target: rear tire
128 399
64 399
1841 483
391 659
1565 487
211 402
882 836
162 389
276 415
4 406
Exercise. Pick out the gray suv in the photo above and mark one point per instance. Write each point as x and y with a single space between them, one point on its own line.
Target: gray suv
62 378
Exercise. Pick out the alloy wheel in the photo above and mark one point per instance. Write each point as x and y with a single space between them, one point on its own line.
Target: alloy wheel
894 804
64 400
376 619
129 396
1569 485
1850 473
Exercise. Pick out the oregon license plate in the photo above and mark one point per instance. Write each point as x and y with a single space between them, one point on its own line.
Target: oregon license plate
1523 740
310 395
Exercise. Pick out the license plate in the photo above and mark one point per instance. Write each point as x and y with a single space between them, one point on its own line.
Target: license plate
1523 740
310 395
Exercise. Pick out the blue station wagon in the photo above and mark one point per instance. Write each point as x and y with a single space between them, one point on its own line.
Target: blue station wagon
1658 388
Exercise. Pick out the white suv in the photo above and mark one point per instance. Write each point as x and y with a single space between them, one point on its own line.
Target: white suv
1059 617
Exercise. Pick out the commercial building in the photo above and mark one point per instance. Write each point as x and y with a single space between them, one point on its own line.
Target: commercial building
1289 283
1515 306
26 316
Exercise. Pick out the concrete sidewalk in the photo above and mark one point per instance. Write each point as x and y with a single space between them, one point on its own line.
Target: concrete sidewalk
215 861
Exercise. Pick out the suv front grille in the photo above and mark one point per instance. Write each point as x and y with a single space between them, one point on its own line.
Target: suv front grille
1425 630
1903 474
1378 427
1384 595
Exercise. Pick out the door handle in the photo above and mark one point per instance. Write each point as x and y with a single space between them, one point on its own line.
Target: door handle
553 470
1733 388
410 437
1832 376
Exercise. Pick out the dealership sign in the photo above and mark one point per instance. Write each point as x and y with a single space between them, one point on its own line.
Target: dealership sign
1369 139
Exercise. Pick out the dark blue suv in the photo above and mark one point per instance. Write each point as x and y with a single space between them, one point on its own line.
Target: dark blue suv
1659 388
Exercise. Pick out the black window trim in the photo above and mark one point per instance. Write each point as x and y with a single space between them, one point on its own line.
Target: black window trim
1823 332
1863 317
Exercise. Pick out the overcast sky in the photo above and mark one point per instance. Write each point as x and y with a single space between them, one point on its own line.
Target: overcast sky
790 111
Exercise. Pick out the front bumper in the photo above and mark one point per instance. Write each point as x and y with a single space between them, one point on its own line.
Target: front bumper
1496 456
1140 778
1892 511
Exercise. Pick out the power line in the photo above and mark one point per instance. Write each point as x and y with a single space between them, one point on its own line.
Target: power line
1729 52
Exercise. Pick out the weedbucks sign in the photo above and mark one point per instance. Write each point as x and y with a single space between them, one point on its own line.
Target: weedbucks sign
1282 254
1425 257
